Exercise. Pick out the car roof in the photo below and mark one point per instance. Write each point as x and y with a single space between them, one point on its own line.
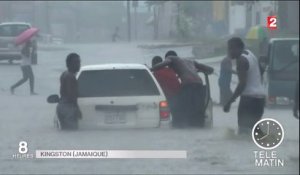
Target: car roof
282 39
113 66
15 23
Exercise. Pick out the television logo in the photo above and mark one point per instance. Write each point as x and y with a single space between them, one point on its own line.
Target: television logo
23 151
267 134
272 22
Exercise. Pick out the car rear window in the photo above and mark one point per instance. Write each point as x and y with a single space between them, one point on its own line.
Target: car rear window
115 83
286 55
12 30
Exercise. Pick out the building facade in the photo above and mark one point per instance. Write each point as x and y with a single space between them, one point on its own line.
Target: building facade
245 14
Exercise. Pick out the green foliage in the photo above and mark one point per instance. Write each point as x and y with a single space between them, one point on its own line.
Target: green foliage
192 17
194 8
189 22
183 25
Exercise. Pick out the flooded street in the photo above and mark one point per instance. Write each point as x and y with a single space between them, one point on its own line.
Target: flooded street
216 150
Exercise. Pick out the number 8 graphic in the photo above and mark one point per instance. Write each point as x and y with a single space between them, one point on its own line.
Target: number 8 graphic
23 147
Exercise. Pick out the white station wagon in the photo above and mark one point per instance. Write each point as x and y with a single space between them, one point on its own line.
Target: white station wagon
120 96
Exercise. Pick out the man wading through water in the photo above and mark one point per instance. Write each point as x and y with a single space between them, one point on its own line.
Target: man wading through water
192 93
250 88
67 110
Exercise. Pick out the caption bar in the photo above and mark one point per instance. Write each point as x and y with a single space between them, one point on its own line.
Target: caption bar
113 154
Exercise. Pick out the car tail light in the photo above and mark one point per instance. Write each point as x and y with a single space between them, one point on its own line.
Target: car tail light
164 111
272 99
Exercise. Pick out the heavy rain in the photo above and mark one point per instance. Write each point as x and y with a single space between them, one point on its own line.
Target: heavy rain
149 87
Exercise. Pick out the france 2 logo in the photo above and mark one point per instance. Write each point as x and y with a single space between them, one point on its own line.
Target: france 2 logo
272 22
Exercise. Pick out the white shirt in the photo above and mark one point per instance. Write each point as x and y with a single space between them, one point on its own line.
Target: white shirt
254 85
25 61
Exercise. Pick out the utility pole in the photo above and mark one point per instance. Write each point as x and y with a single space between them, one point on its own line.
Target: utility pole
8 11
178 21
34 13
76 12
47 17
128 21
155 22
135 5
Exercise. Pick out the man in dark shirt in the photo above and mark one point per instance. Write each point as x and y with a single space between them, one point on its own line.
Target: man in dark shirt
67 110
192 94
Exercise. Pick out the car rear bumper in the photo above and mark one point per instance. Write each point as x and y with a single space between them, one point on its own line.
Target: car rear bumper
93 124
5 55
281 93
85 123
165 124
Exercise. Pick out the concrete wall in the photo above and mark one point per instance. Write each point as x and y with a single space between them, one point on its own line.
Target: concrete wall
293 17
237 18
266 9
246 15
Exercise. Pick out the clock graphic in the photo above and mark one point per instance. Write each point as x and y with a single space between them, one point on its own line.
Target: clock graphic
267 133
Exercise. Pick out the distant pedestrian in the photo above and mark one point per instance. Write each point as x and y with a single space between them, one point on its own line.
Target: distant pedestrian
169 83
192 93
116 35
225 80
296 101
77 36
250 88
26 68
